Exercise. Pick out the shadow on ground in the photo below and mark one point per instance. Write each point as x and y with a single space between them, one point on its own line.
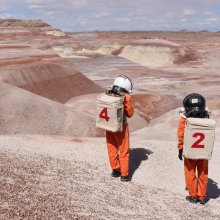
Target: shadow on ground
213 192
137 155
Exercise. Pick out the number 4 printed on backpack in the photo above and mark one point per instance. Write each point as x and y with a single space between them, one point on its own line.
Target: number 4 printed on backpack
104 114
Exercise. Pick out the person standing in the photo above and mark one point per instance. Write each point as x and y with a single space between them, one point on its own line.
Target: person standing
118 142
195 170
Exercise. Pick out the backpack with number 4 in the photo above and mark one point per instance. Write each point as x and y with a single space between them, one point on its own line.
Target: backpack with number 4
110 112
199 138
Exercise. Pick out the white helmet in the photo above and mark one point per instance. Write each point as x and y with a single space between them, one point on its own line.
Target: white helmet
123 82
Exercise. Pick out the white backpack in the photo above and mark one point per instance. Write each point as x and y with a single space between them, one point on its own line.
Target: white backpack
199 138
110 112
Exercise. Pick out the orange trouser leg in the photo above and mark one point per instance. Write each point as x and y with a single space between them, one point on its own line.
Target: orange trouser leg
202 168
190 176
124 149
118 149
112 150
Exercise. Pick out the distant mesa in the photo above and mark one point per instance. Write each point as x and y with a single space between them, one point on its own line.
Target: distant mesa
24 23
15 26
183 30
203 31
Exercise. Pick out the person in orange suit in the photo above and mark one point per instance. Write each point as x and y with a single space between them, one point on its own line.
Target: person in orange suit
118 142
194 106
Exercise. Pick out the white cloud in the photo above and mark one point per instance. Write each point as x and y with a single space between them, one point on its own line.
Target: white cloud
188 12
123 19
102 14
183 20
4 8
209 13
140 18
82 21
79 3
8 16
37 6
30 2
213 20
5 1
4 5
210 22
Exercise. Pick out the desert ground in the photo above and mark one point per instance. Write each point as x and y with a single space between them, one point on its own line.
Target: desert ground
53 160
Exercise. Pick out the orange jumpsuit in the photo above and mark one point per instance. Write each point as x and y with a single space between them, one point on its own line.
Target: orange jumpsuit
118 142
196 184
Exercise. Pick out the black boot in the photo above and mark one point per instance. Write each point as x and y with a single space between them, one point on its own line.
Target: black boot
125 178
203 201
191 200
116 173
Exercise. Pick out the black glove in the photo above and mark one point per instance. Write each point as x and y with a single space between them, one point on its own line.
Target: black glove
180 154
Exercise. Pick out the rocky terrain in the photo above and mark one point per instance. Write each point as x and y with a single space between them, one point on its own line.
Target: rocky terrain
54 161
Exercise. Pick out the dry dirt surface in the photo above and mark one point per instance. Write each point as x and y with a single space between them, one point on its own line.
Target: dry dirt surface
53 161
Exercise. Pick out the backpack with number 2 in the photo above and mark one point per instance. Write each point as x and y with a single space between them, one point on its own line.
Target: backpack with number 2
110 112
199 138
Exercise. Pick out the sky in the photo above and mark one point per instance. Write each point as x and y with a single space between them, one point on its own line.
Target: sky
124 15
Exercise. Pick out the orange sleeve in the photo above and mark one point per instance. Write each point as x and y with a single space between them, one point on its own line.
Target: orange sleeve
128 106
180 132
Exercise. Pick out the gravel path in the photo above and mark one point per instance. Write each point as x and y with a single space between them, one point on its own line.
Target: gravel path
50 177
